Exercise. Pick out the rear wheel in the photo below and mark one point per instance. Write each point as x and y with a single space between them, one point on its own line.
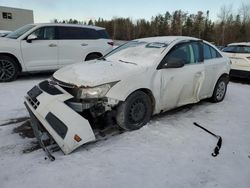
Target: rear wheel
8 69
220 89
135 111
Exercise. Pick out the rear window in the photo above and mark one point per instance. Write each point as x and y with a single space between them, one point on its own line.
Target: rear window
230 49
243 49
237 49
77 33
247 49
103 34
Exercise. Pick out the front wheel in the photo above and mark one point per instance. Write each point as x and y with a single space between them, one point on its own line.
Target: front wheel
135 112
220 90
8 69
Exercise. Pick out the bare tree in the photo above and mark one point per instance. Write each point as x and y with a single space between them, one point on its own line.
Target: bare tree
244 11
224 15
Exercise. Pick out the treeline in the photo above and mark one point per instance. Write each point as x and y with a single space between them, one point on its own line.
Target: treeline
228 28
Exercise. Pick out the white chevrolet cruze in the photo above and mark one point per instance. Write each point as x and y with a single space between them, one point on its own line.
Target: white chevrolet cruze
130 84
43 47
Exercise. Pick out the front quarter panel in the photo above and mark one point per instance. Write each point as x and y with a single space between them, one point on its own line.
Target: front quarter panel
147 79
12 46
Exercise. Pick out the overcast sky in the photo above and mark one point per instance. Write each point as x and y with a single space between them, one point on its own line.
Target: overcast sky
83 10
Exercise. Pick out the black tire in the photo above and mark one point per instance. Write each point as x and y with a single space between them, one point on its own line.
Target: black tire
8 69
92 57
135 112
220 90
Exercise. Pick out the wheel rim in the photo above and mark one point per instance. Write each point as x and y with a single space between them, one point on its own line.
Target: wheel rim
7 70
221 90
137 111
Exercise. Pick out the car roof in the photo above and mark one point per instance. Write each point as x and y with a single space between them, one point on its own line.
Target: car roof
240 43
69 25
166 39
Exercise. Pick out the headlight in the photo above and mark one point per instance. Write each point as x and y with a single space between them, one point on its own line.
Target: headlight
94 92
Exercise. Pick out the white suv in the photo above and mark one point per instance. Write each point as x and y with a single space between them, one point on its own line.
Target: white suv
239 53
43 47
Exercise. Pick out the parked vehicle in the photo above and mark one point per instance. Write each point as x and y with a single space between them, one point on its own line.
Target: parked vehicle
3 33
43 47
130 84
239 53
220 47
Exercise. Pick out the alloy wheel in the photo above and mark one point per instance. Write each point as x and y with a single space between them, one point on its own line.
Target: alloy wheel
7 70
221 90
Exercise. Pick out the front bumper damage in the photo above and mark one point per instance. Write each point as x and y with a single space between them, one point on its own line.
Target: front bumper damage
49 111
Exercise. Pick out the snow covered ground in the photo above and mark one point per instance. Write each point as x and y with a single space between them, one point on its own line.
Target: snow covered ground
168 152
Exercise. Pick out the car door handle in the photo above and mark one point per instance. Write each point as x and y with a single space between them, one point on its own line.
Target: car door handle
52 45
84 44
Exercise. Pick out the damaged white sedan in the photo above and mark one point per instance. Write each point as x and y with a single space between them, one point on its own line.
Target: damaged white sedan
127 86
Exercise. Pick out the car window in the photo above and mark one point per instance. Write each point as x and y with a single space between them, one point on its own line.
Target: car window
77 33
207 52
19 32
137 52
214 53
188 53
103 34
90 34
247 49
196 48
243 49
230 49
45 33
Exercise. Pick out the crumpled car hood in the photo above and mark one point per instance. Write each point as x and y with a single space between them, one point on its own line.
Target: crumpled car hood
95 72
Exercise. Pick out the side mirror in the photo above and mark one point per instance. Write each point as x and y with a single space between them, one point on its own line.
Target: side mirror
174 63
31 37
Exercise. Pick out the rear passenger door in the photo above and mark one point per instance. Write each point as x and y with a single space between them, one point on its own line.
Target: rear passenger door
213 64
75 43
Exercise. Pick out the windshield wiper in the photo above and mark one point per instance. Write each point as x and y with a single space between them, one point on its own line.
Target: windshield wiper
127 62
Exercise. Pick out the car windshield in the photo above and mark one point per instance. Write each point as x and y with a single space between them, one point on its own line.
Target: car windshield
19 32
137 52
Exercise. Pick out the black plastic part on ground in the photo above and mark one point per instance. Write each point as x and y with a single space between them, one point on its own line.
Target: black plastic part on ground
219 143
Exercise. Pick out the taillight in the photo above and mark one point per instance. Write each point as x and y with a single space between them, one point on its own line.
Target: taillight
111 43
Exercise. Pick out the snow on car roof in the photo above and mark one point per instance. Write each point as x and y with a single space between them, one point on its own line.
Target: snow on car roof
166 39
69 25
240 43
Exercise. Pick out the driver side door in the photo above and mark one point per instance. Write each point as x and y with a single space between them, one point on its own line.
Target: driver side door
180 86
42 52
